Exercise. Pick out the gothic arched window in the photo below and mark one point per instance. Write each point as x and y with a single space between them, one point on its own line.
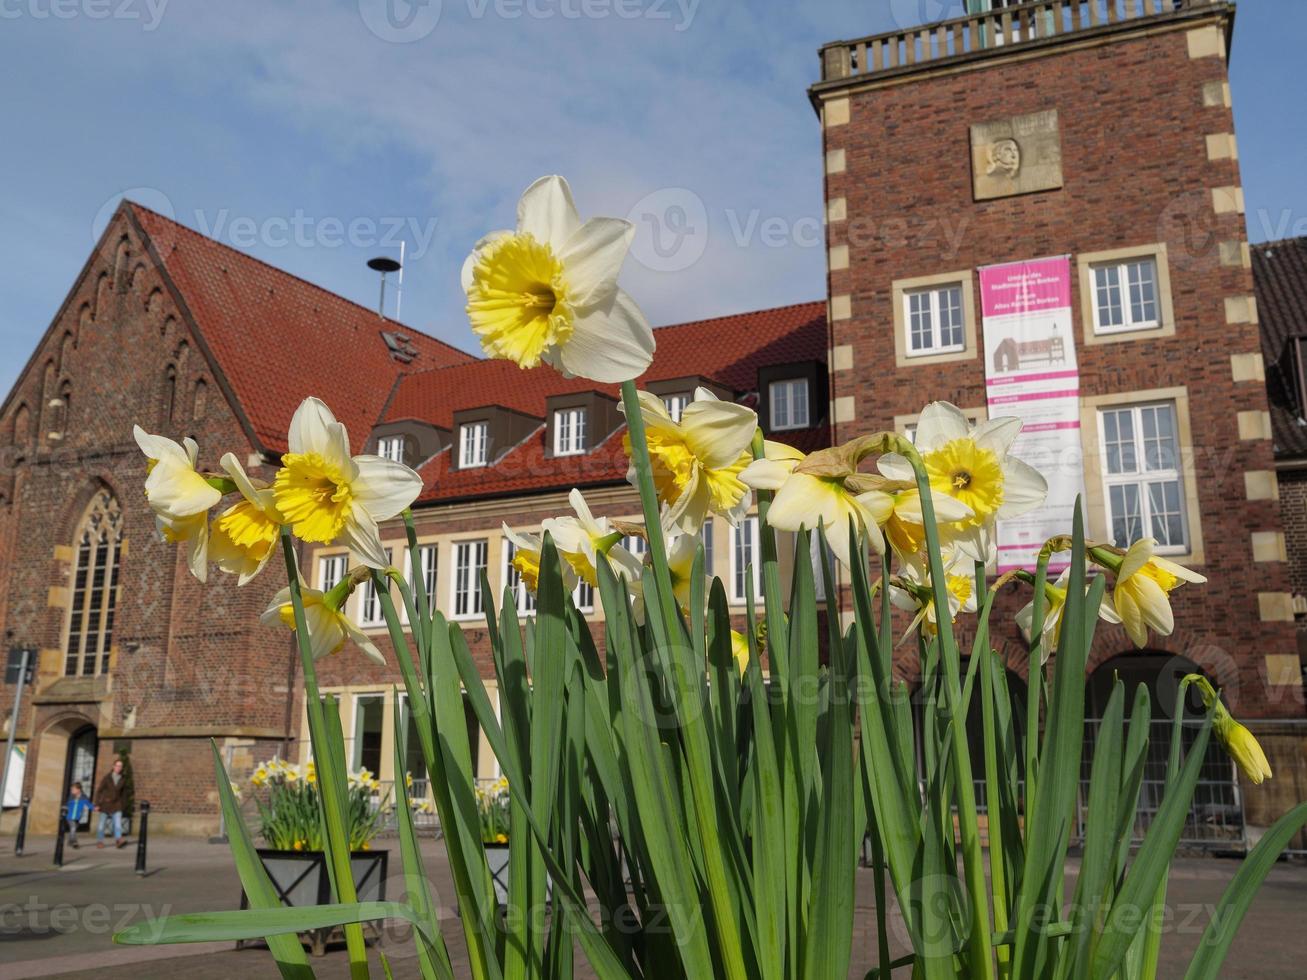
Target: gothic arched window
97 554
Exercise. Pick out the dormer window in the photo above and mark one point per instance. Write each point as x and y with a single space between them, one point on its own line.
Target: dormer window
676 404
473 439
569 431
391 448
789 404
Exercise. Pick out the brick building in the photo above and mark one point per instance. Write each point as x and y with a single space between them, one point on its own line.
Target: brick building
1002 137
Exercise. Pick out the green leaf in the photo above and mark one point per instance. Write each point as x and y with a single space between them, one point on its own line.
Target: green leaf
1239 895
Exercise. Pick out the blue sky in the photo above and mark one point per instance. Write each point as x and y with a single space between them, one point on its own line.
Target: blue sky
316 135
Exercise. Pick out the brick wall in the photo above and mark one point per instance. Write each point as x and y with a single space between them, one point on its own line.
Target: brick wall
1146 127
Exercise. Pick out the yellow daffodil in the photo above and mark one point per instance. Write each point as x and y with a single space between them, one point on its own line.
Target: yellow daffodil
971 464
824 489
526 560
1140 594
905 528
740 651
1237 739
913 591
583 540
244 536
548 291
697 461
179 496
329 627
1055 594
327 495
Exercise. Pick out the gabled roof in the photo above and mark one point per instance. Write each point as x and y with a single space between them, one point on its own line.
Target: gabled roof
728 350
1280 274
278 338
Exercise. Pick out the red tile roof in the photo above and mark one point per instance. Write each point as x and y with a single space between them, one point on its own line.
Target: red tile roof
728 350
1280 274
278 338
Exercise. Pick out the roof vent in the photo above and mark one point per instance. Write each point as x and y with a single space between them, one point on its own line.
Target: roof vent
401 349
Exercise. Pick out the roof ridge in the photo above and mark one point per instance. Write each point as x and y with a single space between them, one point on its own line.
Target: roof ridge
291 275
1279 242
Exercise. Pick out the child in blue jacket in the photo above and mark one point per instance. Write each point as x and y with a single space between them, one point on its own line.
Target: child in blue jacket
78 807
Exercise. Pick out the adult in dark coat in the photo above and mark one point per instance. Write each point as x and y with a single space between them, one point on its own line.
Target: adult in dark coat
110 798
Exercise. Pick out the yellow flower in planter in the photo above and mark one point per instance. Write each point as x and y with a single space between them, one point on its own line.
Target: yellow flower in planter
526 560
327 495
547 292
971 464
583 540
1140 594
697 461
329 627
244 536
179 496
913 591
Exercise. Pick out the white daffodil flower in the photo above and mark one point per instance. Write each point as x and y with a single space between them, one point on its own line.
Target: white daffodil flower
548 291
526 559
697 461
1140 593
1055 596
329 627
972 465
179 496
913 591
584 540
244 536
327 495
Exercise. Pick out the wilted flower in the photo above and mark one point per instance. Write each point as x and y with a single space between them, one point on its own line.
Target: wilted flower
327 495
548 291
1140 594
697 461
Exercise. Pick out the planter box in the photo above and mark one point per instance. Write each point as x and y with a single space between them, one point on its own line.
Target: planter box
497 858
300 878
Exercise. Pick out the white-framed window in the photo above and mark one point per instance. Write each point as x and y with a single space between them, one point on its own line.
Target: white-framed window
789 403
934 318
465 588
583 596
676 404
391 448
745 559
370 614
1142 483
331 570
473 441
369 723
522 597
569 431
427 568
705 534
1126 295
636 545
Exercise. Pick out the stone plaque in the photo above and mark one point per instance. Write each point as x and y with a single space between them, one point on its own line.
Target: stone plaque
1020 155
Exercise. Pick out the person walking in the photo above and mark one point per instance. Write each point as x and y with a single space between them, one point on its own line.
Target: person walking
110 797
78 807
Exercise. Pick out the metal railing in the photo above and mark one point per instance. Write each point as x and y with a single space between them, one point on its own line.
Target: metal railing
1016 25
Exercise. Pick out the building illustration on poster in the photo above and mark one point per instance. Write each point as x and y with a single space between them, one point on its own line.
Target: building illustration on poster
1031 373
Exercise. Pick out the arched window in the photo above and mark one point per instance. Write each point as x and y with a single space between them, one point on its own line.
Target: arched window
22 427
98 550
169 393
200 403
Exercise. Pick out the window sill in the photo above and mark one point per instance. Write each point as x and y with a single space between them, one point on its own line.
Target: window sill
1115 336
936 357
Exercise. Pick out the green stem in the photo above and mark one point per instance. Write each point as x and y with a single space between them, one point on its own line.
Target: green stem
330 789
993 816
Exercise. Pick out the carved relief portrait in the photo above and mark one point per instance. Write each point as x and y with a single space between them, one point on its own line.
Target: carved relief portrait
1020 155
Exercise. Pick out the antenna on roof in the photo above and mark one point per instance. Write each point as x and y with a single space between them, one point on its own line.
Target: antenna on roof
385 266
399 283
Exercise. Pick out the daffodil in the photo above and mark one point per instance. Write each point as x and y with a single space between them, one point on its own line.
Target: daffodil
329 627
178 495
1238 740
327 495
971 464
548 291
824 489
584 540
914 592
1140 595
740 651
244 536
697 461
905 527
526 560
1055 595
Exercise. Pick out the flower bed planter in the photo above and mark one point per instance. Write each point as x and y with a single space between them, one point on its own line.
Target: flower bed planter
300 878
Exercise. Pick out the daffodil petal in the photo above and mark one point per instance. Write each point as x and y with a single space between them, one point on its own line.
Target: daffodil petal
894 466
363 642
158 447
384 487
718 432
1179 571
610 343
175 490
593 257
469 263
363 536
940 423
1131 616
767 474
547 212
1153 604
310 427
1024 488
997 435
1136 557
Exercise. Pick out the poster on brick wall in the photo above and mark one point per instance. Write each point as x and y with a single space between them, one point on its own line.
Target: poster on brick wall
1031 373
